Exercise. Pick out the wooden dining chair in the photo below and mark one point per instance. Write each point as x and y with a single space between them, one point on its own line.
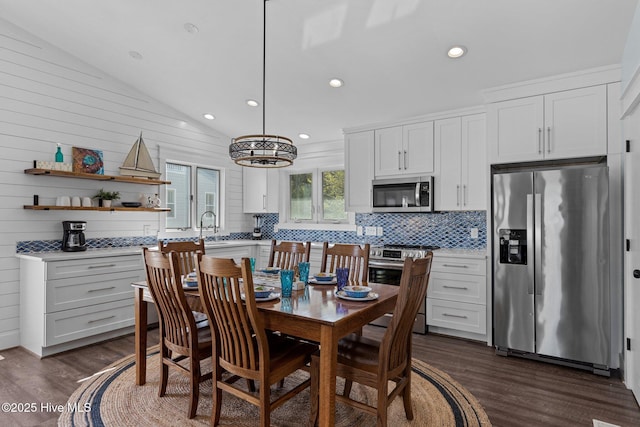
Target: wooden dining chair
355 257
180 339
184 251
242 346
287 255
374 363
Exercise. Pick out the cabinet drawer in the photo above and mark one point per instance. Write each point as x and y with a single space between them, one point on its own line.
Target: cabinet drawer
236 253
459 265
93 266
458 287
75 292
457 315
70 325
265 251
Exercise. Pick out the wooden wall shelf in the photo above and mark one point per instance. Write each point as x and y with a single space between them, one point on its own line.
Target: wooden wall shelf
95 177
81 208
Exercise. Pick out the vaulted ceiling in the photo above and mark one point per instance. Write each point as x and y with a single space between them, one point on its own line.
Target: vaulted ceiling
391 54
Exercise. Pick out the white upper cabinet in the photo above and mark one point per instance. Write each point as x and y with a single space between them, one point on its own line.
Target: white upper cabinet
474 162
358 171
404 150
260 190
560 125
461 162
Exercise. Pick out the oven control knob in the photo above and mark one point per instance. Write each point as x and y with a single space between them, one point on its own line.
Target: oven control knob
410 255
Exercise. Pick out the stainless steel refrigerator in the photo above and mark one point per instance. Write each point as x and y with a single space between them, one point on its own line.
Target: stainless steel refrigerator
551 264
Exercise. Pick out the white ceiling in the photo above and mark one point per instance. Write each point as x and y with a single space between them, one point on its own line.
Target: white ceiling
390 53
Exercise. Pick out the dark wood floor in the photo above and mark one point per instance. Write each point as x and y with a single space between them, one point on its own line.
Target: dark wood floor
513 391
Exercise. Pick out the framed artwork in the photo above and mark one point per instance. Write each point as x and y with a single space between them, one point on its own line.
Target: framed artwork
87 160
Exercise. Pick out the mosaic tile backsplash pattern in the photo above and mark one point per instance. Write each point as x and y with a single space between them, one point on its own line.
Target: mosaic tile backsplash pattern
444 229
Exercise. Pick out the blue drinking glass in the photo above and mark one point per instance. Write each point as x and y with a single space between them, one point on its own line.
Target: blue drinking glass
303 271
342 276
286 282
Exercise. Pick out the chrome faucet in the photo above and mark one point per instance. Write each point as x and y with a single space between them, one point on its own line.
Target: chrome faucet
215 227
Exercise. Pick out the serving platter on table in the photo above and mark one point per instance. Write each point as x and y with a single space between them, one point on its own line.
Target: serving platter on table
272 296
372 296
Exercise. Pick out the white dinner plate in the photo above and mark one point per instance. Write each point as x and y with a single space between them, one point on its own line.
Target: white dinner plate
272 296
370 297
313 281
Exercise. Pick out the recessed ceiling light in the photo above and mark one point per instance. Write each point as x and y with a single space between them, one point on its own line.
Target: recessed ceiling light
456 52
252 103
303 136
209 116
190 28
135 55
335 82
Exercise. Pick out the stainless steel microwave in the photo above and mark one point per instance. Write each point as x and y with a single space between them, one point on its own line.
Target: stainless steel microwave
403 194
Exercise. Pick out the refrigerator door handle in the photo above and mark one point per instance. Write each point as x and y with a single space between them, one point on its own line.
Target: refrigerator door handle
530 229
538 244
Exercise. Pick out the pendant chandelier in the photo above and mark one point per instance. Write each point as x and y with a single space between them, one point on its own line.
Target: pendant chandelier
263 151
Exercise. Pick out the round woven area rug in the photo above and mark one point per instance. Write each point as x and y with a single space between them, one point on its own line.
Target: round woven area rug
111 398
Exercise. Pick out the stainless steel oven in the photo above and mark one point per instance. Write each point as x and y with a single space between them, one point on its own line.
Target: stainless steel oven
385 266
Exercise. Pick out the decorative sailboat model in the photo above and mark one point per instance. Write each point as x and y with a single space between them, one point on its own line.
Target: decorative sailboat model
138 162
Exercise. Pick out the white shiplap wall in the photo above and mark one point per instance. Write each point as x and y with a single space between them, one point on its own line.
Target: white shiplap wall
49 97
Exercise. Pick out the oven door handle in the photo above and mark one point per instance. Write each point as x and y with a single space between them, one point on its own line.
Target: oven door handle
382 264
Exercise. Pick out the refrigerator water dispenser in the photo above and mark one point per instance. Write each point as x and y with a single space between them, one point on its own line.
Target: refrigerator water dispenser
513 246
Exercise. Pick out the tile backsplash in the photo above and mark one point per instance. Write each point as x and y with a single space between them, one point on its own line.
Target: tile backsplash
444 229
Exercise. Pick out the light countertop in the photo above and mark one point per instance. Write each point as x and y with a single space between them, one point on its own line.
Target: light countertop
132 250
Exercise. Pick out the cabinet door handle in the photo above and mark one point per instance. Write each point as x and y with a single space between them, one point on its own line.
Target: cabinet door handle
102 266
405 159
264 201
455 315
464 195
539 140
457 195
548 139
455 265
101 319
101 289
464 288
399 160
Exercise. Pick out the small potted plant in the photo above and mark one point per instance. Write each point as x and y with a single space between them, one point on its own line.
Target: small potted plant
105 197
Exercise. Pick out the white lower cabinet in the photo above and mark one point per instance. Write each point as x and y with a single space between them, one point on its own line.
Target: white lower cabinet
457 297
66 304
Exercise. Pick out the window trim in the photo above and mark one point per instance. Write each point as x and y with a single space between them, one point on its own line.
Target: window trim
315 223
195 225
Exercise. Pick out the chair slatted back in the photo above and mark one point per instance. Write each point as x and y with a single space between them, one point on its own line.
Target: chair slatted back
413 290
287 255
184 252
176 319
240 340
355 257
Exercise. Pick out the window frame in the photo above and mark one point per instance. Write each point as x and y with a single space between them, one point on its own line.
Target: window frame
193 198
317 211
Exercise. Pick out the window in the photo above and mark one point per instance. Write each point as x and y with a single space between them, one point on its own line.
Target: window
189 184
317 196
171 202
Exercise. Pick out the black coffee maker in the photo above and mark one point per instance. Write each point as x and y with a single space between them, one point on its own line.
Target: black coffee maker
73 236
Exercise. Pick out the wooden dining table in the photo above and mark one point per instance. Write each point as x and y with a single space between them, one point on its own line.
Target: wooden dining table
314 314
